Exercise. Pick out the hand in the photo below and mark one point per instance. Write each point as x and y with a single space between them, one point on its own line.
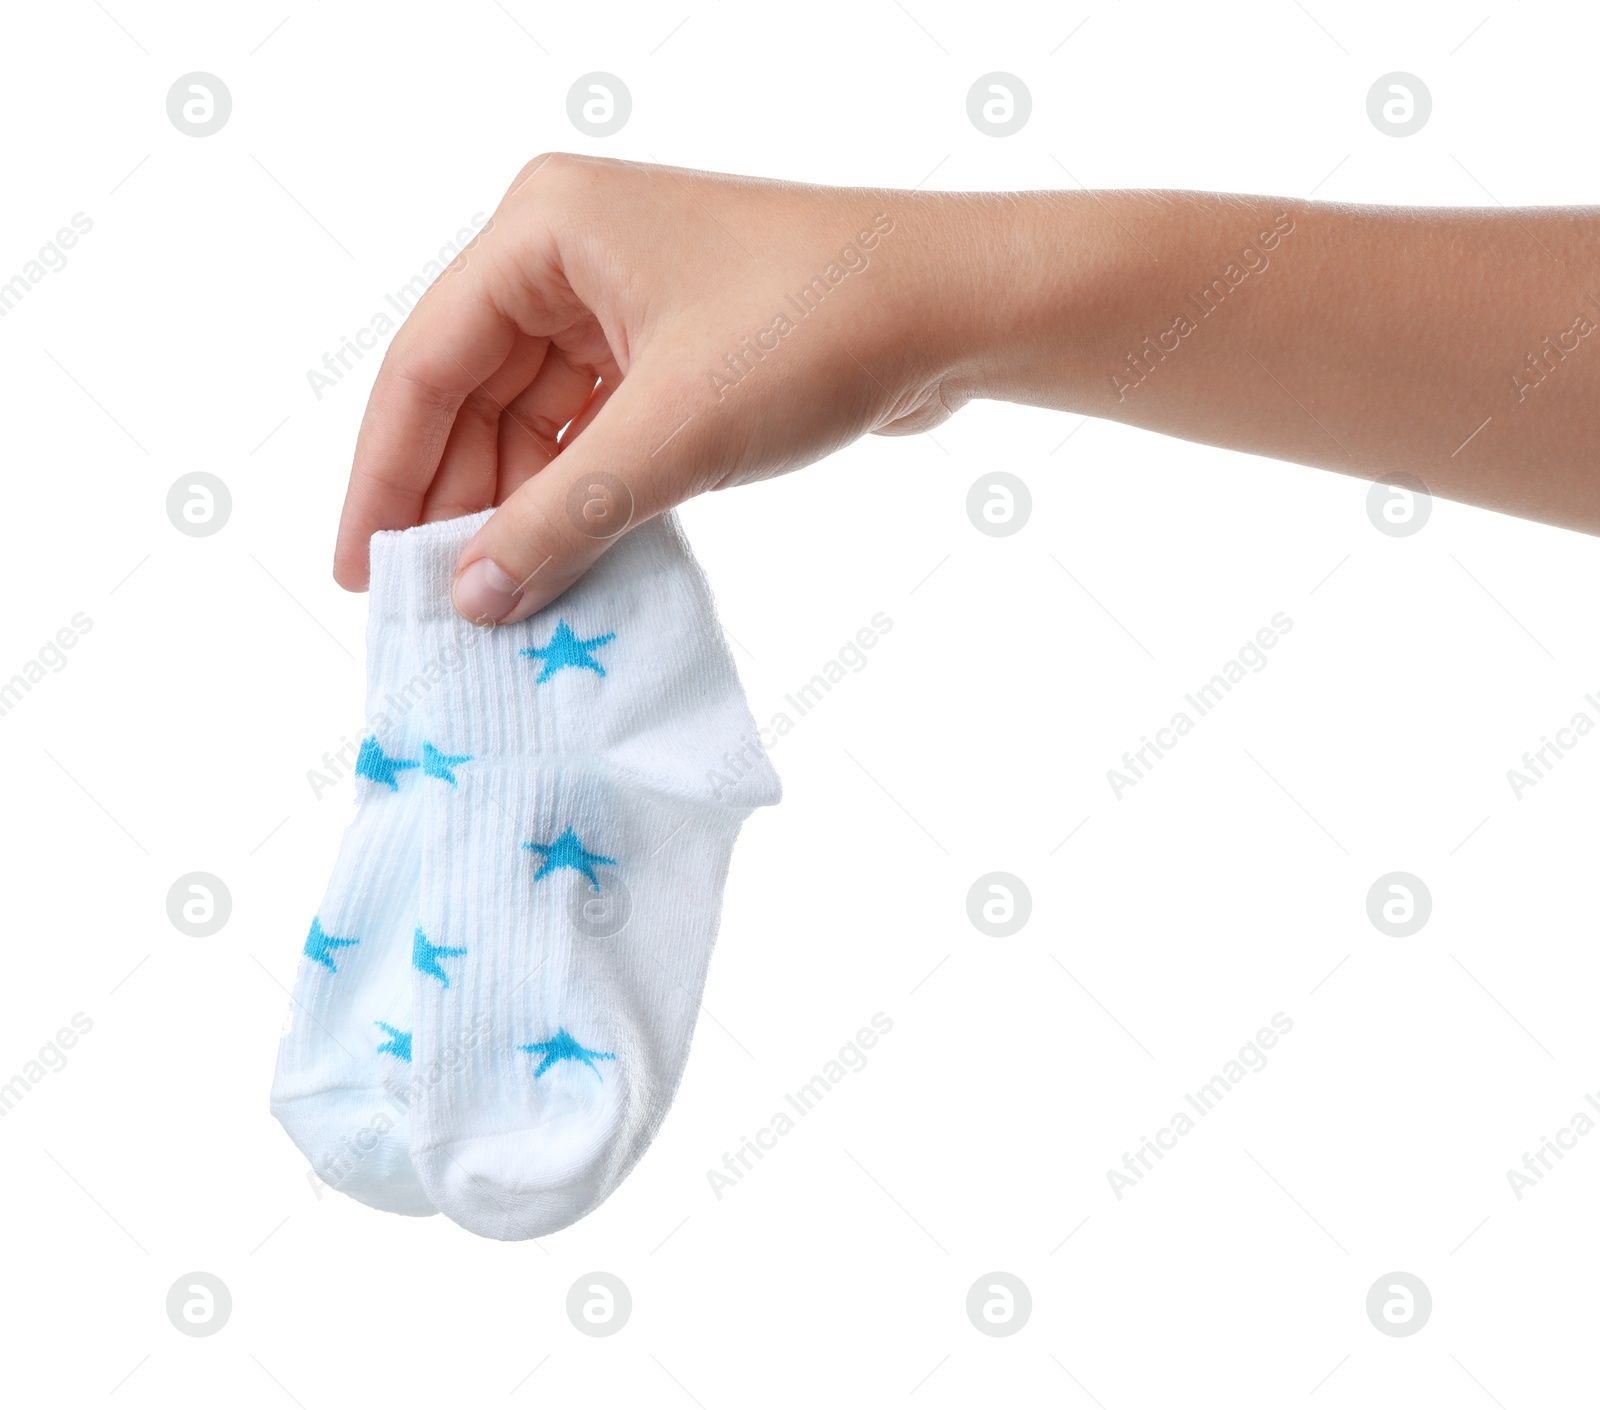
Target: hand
622 337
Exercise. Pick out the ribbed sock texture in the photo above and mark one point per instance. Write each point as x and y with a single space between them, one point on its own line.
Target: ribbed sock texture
572 874
497 995
343 1078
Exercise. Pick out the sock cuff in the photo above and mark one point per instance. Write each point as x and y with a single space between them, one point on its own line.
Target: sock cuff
389 555
391 720
413 569
408 565
628 665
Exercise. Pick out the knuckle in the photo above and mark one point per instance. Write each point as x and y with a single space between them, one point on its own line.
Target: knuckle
480 408
551 174
410 368
544 172
545 163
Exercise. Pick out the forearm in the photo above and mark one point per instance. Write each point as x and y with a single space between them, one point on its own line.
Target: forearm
1458 346
655 332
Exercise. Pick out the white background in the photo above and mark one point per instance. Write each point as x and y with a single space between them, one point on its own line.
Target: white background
1229 886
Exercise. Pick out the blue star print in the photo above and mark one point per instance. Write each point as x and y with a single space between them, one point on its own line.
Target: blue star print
426 956
373 763
320 945
399 1043
567 851
437 765
564 1047
566 648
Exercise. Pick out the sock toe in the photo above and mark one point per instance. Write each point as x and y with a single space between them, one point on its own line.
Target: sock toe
545 1168
358 1143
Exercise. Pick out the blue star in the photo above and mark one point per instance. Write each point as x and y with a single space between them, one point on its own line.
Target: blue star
320 945
373 763
426 956
564 1046
566 648
437 765
567 851
399 1043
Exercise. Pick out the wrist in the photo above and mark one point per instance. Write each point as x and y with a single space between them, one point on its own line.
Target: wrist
1039 289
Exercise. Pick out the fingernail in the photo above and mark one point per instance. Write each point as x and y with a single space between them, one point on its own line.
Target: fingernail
484 592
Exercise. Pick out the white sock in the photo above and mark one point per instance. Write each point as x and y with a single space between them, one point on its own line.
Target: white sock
343 1079
572 878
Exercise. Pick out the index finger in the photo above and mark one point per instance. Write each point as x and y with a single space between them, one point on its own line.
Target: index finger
451 342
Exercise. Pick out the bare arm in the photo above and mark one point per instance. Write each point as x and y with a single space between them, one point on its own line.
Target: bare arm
623 337
1457 346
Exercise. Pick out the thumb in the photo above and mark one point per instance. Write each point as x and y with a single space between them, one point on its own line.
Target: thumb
642 454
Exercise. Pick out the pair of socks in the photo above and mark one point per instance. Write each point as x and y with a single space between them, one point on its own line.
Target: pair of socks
497 995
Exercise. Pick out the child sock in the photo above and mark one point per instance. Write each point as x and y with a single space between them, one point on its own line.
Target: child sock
343 1080
572 877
